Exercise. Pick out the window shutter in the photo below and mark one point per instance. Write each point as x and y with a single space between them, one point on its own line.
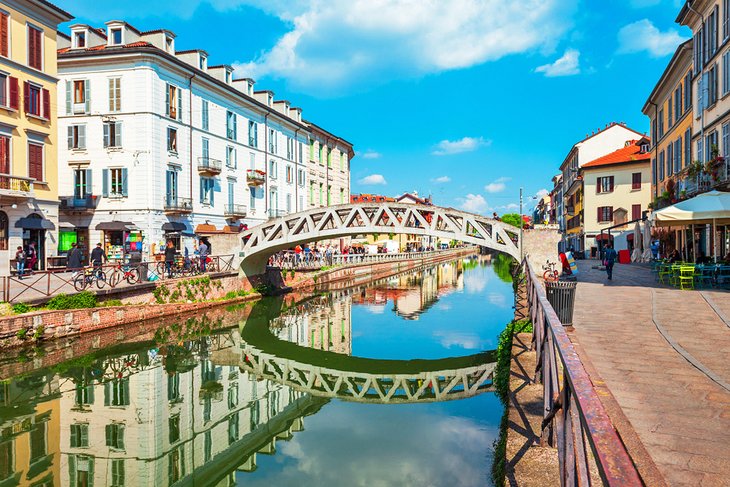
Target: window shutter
202 190
124 182
14 101
211 185
179 104
70 137
108 431
74 438
82 136
610 213
4 35
31 47
111 94
87 96
68 97
106 135
167 99
105 194
610 182
46 103
89 186
117 134
120 436
600 214
26 96
168 185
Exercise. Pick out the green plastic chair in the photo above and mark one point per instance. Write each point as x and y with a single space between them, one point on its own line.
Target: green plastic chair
686 277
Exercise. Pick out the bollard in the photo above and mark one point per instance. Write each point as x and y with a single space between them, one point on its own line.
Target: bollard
561 296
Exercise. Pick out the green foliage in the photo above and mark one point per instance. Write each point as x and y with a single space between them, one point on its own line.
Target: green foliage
112 302
161 293
22 334
502 265
513 219
501 386
38 333
84 299
264 289
20 308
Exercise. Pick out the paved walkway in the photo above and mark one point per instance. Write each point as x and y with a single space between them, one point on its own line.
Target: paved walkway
664 356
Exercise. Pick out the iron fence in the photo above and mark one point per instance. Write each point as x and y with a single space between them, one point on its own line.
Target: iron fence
574 419
311 261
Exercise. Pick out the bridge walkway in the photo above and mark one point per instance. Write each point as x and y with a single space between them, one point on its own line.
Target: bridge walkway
659 358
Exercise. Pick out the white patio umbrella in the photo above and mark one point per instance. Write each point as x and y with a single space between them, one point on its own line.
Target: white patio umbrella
646 256
636 254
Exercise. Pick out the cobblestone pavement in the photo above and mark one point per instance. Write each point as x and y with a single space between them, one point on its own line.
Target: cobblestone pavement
664 355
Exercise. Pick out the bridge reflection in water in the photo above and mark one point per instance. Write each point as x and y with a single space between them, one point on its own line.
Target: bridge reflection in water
187 409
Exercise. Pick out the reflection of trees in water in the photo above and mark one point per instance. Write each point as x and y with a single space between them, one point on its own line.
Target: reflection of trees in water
502 265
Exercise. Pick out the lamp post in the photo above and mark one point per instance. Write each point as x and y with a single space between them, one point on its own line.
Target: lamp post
522 244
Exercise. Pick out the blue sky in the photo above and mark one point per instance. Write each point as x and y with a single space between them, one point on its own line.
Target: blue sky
467 100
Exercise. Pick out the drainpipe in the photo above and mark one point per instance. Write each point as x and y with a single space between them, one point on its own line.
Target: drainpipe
266 162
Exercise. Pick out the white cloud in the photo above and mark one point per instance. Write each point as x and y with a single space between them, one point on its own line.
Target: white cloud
371 154
373 179
454 339
335 45
644 36
474 203
567 65
441 179
542 193
496 186
465 144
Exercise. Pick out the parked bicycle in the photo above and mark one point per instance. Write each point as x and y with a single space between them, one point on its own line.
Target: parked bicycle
551 274
88 277
123 272
181 267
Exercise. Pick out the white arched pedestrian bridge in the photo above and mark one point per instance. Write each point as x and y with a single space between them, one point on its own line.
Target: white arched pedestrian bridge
260 242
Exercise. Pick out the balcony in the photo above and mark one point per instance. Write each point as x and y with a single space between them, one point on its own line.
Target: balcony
178 206
254 177
79 205
234 211
274 213
16 187
209 166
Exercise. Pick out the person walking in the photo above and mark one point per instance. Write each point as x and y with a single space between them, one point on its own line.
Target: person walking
203 251
31 256
20 262
98 257
73 260
610 258
170 253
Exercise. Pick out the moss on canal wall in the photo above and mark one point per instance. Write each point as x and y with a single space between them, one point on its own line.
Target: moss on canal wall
501 386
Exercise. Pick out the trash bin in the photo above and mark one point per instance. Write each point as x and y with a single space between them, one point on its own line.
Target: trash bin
561 296
135 261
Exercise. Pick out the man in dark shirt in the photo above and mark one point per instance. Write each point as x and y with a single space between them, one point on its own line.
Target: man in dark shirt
98 257
74 258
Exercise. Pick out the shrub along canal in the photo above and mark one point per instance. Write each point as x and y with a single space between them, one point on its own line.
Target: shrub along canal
384 384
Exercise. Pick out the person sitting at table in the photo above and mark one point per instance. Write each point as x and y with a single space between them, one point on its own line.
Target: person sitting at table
674 256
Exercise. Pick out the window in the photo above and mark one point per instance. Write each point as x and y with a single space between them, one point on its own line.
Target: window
37 100
688 90
661 123
670 158
174 428
342 196
233 428
208 446
301 202
231 125
173 385
653 172
205 150
635 212
329 158
80 39
114 184
82 183
321 194
79 435
725 19
172 139
233 395
661 166
112 134
231 157
669 112
301 177
636 180
252 198
288 203
604 184
4 98
4 34
311 149
81 470
700 151
117 478
677 103
203 63
228 77
605 214
35 161
725 139
206 116
253 135
688 147
712 85
710 145
272 169
173 102
272 141
77 137
116 391
321 154
115 436
35 47
311 193
342 161
115 94
329 195
171 182
301 152
176 465
252 160
289 174
38 443
207 191
115 35
677 155
289 148
168 43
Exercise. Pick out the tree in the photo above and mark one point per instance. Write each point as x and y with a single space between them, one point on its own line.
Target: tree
512 219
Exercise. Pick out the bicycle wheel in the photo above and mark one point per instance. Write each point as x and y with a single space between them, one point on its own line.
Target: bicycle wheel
80 282
133 276
549 276
115 278
100 278
212 266
161 269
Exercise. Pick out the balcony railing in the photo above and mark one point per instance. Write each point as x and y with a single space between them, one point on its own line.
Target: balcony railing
71 203
178 205
255 177
274 213
16 186
234 211
209 166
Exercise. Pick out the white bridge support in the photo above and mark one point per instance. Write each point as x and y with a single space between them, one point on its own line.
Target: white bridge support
260 242
432 386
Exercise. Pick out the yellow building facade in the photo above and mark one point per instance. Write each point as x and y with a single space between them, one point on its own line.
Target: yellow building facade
28 130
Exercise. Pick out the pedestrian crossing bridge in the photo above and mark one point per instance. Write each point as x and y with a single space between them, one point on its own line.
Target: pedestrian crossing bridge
351 220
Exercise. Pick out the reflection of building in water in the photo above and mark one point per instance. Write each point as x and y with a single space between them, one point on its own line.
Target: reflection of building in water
157 417
29 422
323 323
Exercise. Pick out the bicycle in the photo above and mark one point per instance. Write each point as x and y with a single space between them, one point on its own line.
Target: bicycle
551 274
129 274
88 277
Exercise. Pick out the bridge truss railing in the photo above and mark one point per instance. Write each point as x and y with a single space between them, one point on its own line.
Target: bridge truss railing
574 419
307 261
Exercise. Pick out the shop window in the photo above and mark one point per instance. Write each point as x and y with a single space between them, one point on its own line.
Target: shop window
3 231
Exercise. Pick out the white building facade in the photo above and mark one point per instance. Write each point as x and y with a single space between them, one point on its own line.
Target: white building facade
159 144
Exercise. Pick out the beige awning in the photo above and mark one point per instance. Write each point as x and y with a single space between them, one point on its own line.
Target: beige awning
713 206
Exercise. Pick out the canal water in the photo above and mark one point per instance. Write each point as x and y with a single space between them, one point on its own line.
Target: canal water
375 385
